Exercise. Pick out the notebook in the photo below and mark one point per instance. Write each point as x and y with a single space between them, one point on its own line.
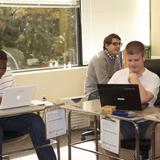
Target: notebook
123 96
18 96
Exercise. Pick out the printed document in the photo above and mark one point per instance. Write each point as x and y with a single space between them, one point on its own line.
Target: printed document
55 122
110 128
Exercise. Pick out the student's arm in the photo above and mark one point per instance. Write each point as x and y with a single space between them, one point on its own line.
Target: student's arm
101 70
144 94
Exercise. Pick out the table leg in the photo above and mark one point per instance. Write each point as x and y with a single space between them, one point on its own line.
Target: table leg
96 135
137 138
58 149
153 141
69 136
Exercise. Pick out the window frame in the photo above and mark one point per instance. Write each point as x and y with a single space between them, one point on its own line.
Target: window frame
78 32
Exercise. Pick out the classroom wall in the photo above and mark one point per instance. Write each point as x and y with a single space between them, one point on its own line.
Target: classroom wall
129 19
54 84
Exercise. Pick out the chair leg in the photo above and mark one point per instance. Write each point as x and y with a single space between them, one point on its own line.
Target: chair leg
90 132
58 149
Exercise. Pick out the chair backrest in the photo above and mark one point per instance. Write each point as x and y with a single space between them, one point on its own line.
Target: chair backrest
154 66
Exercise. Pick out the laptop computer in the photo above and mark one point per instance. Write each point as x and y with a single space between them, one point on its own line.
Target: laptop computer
123 96
17 97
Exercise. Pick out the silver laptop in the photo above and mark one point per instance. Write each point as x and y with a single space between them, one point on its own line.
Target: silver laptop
17 97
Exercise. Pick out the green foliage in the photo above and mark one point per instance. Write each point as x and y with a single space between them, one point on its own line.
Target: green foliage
36 32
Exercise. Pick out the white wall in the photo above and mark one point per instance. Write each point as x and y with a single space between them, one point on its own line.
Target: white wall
55 84
155 28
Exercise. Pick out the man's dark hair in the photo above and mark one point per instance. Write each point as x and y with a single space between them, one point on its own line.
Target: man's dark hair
108 39
3 55
135 47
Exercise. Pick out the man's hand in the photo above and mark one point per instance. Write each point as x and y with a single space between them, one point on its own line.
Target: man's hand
133 78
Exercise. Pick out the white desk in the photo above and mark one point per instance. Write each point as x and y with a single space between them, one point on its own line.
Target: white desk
21 110
96 112
24 110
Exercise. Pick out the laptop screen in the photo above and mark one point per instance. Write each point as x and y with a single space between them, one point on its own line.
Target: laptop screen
123 96
17 96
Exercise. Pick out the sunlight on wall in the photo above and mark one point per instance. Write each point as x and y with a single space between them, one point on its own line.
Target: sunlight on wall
125 18
144 16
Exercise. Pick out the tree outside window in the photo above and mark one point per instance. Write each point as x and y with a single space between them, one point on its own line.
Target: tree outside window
38 37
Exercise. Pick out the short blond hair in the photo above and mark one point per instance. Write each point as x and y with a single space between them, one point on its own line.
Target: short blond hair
135 47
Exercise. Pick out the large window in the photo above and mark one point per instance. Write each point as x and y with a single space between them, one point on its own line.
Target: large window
39 37
47 35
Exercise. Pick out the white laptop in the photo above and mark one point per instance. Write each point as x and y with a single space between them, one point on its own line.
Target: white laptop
18 96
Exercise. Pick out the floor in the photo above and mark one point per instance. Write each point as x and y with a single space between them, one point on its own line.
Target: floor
76 153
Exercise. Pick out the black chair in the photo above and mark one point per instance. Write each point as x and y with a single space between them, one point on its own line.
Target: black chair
154 66
145 145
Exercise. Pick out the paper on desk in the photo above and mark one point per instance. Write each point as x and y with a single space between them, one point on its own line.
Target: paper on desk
37 102
41 102
110 129
55 122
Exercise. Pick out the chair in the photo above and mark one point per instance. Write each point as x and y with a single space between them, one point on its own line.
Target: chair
12 137
17 137
154 65
145 145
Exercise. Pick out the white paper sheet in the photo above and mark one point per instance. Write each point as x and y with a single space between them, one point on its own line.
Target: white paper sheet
55 122
110 129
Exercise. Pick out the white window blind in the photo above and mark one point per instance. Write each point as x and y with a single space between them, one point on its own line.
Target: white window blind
128 18
55 2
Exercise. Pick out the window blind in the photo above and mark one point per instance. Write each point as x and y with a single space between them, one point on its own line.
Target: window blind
130 19
41 2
